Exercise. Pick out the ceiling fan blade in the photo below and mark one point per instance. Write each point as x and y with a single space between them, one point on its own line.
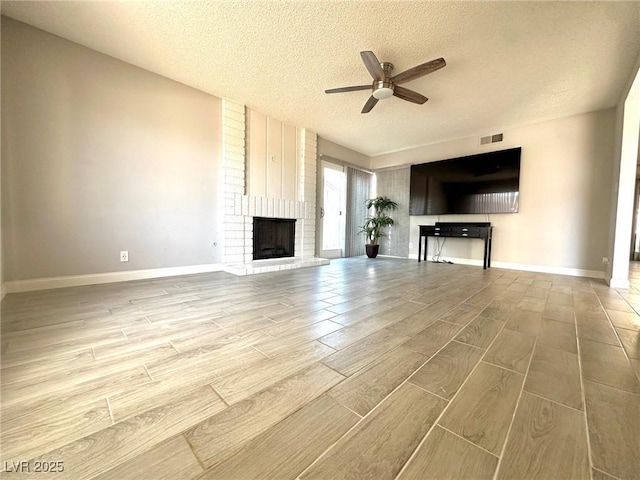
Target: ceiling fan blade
370 104
419 71
409 95
348 89
373 65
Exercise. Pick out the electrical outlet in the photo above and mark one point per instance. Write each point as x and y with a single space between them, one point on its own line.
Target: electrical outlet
124 255
410 244
605 260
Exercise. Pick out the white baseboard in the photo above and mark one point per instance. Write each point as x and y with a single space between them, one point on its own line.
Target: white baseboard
573 272
34 284
620 283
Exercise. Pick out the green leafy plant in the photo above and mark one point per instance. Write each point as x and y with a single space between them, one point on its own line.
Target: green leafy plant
375 224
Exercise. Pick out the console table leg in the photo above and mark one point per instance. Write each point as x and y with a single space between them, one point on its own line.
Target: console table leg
484 259
489 251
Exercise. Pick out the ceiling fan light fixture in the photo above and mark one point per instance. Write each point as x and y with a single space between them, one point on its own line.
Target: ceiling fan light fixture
382 89
383 92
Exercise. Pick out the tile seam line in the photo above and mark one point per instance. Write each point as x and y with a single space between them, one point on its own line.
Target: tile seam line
620 344
513 415
584 405
444 410
470 442
582 378
377 406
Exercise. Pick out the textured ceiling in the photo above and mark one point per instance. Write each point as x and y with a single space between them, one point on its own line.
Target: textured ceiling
508 63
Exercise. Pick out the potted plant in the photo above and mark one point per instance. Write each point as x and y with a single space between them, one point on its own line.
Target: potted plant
375 224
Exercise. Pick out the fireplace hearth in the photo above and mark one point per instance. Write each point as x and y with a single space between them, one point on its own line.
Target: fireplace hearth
273 237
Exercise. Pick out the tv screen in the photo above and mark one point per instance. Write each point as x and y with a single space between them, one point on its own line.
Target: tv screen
484 183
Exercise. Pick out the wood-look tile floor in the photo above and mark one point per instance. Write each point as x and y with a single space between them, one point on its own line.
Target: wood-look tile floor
372 369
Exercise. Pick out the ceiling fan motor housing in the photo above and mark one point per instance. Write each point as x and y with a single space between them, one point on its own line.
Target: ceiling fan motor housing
384 88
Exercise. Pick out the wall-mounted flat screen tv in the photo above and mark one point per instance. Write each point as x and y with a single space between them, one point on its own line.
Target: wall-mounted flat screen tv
484 183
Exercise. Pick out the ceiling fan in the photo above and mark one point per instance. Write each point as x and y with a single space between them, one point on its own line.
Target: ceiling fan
384 85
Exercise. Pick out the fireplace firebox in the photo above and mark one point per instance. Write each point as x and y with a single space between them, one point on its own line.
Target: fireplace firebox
273 237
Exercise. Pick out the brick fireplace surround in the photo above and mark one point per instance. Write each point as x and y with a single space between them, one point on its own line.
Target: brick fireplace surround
239 209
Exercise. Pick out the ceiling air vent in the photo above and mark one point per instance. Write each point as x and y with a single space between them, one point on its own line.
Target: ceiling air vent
491 139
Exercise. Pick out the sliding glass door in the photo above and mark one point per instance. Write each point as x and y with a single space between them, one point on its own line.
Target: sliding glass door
332 210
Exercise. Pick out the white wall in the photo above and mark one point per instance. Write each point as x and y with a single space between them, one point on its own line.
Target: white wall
565 195
2 292
623 179
100 156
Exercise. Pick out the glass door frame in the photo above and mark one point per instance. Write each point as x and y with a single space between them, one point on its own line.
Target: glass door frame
333 252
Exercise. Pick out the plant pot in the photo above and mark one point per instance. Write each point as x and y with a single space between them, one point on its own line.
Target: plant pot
372 250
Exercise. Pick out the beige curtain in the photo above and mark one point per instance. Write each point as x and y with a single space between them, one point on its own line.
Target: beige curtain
358 191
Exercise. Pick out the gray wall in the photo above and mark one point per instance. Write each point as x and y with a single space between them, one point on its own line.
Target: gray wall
100 156
338 152
395 185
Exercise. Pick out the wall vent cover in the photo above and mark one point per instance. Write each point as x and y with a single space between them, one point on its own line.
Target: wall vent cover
498 137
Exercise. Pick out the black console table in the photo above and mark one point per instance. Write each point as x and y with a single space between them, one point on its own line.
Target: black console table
482 230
